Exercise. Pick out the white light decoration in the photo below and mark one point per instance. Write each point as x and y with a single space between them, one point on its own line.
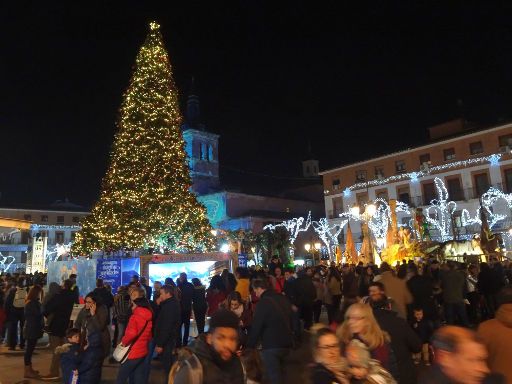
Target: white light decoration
293 226
414 176
224 248
6 262
442 211
329 233
57 251
489 198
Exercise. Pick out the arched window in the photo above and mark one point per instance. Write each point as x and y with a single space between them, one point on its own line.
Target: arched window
210 152
204 152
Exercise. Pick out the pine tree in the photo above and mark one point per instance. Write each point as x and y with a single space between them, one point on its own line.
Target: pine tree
146 199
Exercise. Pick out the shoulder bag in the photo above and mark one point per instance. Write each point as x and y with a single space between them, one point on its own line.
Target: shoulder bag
122 351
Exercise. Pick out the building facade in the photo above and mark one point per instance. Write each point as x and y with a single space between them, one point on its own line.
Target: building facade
467 162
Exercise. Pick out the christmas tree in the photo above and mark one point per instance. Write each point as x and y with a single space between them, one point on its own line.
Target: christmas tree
146 200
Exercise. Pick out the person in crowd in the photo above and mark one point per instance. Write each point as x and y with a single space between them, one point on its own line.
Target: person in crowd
138 334
453 284
362 368
103 294
243 283
121 313
70 355
421 290
91 356
53 289
293 298
213 357
199 304
167 326
229 280
330 367
93 318
136 292
349 288
333 286
74 288
157 285
149 290
14 309
305 296
2 311
404 341
396 289
33 329
472 294
236 305
496 334
365 279
360 324
319 296
275 262
272 326
424 328
278 280
460 357
215 294
58 309
135 281
377 297
187 293
489 288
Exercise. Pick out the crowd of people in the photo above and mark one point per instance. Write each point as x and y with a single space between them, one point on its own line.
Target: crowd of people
412 322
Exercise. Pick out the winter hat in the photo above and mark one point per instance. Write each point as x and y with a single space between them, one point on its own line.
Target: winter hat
224 319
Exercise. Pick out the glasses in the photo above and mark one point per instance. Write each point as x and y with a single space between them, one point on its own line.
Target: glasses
355 318
329 346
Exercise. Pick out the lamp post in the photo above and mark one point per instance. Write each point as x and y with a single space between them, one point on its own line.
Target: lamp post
313 248
369 211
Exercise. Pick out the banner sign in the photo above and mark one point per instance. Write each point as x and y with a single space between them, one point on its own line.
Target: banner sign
58 271
242 260
117 272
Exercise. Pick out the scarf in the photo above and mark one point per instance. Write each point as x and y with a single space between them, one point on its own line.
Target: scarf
338 369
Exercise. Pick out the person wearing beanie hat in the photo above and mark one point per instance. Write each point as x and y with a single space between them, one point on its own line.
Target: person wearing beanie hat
213 358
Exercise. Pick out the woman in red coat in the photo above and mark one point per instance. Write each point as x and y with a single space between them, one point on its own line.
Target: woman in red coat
215 294
138 333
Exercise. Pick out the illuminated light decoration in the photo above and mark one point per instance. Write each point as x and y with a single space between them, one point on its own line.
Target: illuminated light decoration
224 248
442 210
146 201
6 262
293 226
347 192
37 227
414 176
489 198
57 251
329 233
493 159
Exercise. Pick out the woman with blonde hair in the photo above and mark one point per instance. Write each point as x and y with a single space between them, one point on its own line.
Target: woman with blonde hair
360 324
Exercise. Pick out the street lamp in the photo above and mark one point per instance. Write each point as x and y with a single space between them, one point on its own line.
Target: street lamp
307 247
318 246
354 210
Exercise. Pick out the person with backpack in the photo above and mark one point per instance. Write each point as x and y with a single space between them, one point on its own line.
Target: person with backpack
14 308
121 313
213 358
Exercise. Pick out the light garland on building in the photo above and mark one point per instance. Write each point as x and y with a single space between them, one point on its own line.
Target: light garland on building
414 176
37 227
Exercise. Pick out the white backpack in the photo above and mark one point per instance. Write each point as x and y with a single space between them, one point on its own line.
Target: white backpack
19 298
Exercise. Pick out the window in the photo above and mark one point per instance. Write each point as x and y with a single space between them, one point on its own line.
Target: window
403 194
508 180
476 148
210 153
505 140
44 218
204 151
379 172
406 220
27 217
400 166
337 206
457 219
59 237
60 219
361 175
307 169
449 154
481 183
425 158
75 219
336 184
429 192
382 195
454 189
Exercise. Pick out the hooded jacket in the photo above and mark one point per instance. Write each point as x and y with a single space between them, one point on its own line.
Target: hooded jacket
135 326
69 360
497 336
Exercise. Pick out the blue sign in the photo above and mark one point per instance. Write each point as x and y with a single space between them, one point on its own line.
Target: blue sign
117 272
242 260
129 268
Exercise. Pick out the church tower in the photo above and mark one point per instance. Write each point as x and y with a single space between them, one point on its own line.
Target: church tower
310 165
202 148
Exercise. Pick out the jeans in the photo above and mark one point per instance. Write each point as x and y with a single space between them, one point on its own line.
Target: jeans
29 350
147 360
185 322
454 311
132 369
12 331
274 360
55 341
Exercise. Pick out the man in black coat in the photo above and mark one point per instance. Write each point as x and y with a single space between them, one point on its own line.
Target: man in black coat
305 295
187 293
404 340
272 324
167 326
60 307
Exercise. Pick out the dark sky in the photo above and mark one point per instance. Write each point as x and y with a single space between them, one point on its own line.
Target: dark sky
354 81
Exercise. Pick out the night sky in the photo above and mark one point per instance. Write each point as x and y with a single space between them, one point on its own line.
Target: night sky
271 76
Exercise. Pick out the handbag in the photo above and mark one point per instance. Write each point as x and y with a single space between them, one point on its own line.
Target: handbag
122 351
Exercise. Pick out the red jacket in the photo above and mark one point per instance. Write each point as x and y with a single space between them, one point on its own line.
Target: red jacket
135 324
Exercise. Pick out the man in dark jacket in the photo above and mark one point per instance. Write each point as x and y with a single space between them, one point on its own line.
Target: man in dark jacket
459 358
187 293
272 325
214 358
167 326
103 294
453 283
149 290
305 295
59 307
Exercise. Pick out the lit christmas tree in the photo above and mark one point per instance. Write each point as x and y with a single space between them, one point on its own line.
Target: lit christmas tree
146 200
